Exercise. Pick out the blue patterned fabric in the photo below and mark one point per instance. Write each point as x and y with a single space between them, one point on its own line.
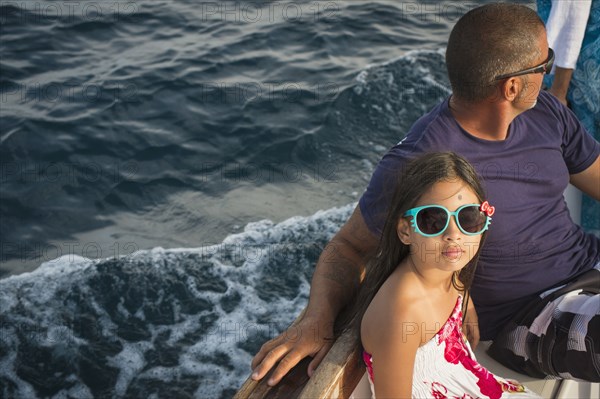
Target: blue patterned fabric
584 95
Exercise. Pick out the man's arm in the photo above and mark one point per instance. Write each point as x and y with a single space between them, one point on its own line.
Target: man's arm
337 276
471 325
588 181
560 84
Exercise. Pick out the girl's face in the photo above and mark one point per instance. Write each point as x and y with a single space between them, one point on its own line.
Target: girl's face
452 249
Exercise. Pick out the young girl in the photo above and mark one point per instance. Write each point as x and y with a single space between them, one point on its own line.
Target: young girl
410 307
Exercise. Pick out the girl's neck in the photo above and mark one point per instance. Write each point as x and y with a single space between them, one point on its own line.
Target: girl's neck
436 280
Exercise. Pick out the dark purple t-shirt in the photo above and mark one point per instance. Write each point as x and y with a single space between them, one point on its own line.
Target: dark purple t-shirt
532 244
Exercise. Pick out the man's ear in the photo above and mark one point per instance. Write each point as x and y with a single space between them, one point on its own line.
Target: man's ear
404 231
511 88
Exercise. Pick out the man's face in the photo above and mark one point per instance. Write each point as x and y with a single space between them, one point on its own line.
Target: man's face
532 83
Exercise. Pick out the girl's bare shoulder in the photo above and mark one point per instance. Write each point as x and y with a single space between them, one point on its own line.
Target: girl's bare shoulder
399 305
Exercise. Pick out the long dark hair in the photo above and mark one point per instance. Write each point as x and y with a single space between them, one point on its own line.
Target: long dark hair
418 176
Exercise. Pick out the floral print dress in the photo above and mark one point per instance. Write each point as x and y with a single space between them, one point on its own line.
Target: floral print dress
445 367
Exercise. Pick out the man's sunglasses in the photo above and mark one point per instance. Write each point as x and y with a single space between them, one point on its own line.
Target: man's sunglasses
545 67
433 220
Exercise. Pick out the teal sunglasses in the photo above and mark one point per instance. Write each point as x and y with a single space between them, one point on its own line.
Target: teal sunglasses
433 220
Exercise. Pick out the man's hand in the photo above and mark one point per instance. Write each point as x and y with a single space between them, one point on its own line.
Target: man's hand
308 337
471 326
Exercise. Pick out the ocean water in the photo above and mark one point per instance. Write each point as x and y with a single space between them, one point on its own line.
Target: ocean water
171 171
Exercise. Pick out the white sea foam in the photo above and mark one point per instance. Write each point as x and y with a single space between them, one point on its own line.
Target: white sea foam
409 56
130 361
162 315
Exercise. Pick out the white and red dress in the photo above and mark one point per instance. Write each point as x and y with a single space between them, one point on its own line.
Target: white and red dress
445 367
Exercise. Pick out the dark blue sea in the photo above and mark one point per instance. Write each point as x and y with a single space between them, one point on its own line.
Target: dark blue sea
171 170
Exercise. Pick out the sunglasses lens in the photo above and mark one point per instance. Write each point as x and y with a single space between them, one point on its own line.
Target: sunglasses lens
432 220
471 219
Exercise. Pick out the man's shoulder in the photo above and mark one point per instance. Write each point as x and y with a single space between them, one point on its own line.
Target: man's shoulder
434 120
546 99
548 117
427 132
547 106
